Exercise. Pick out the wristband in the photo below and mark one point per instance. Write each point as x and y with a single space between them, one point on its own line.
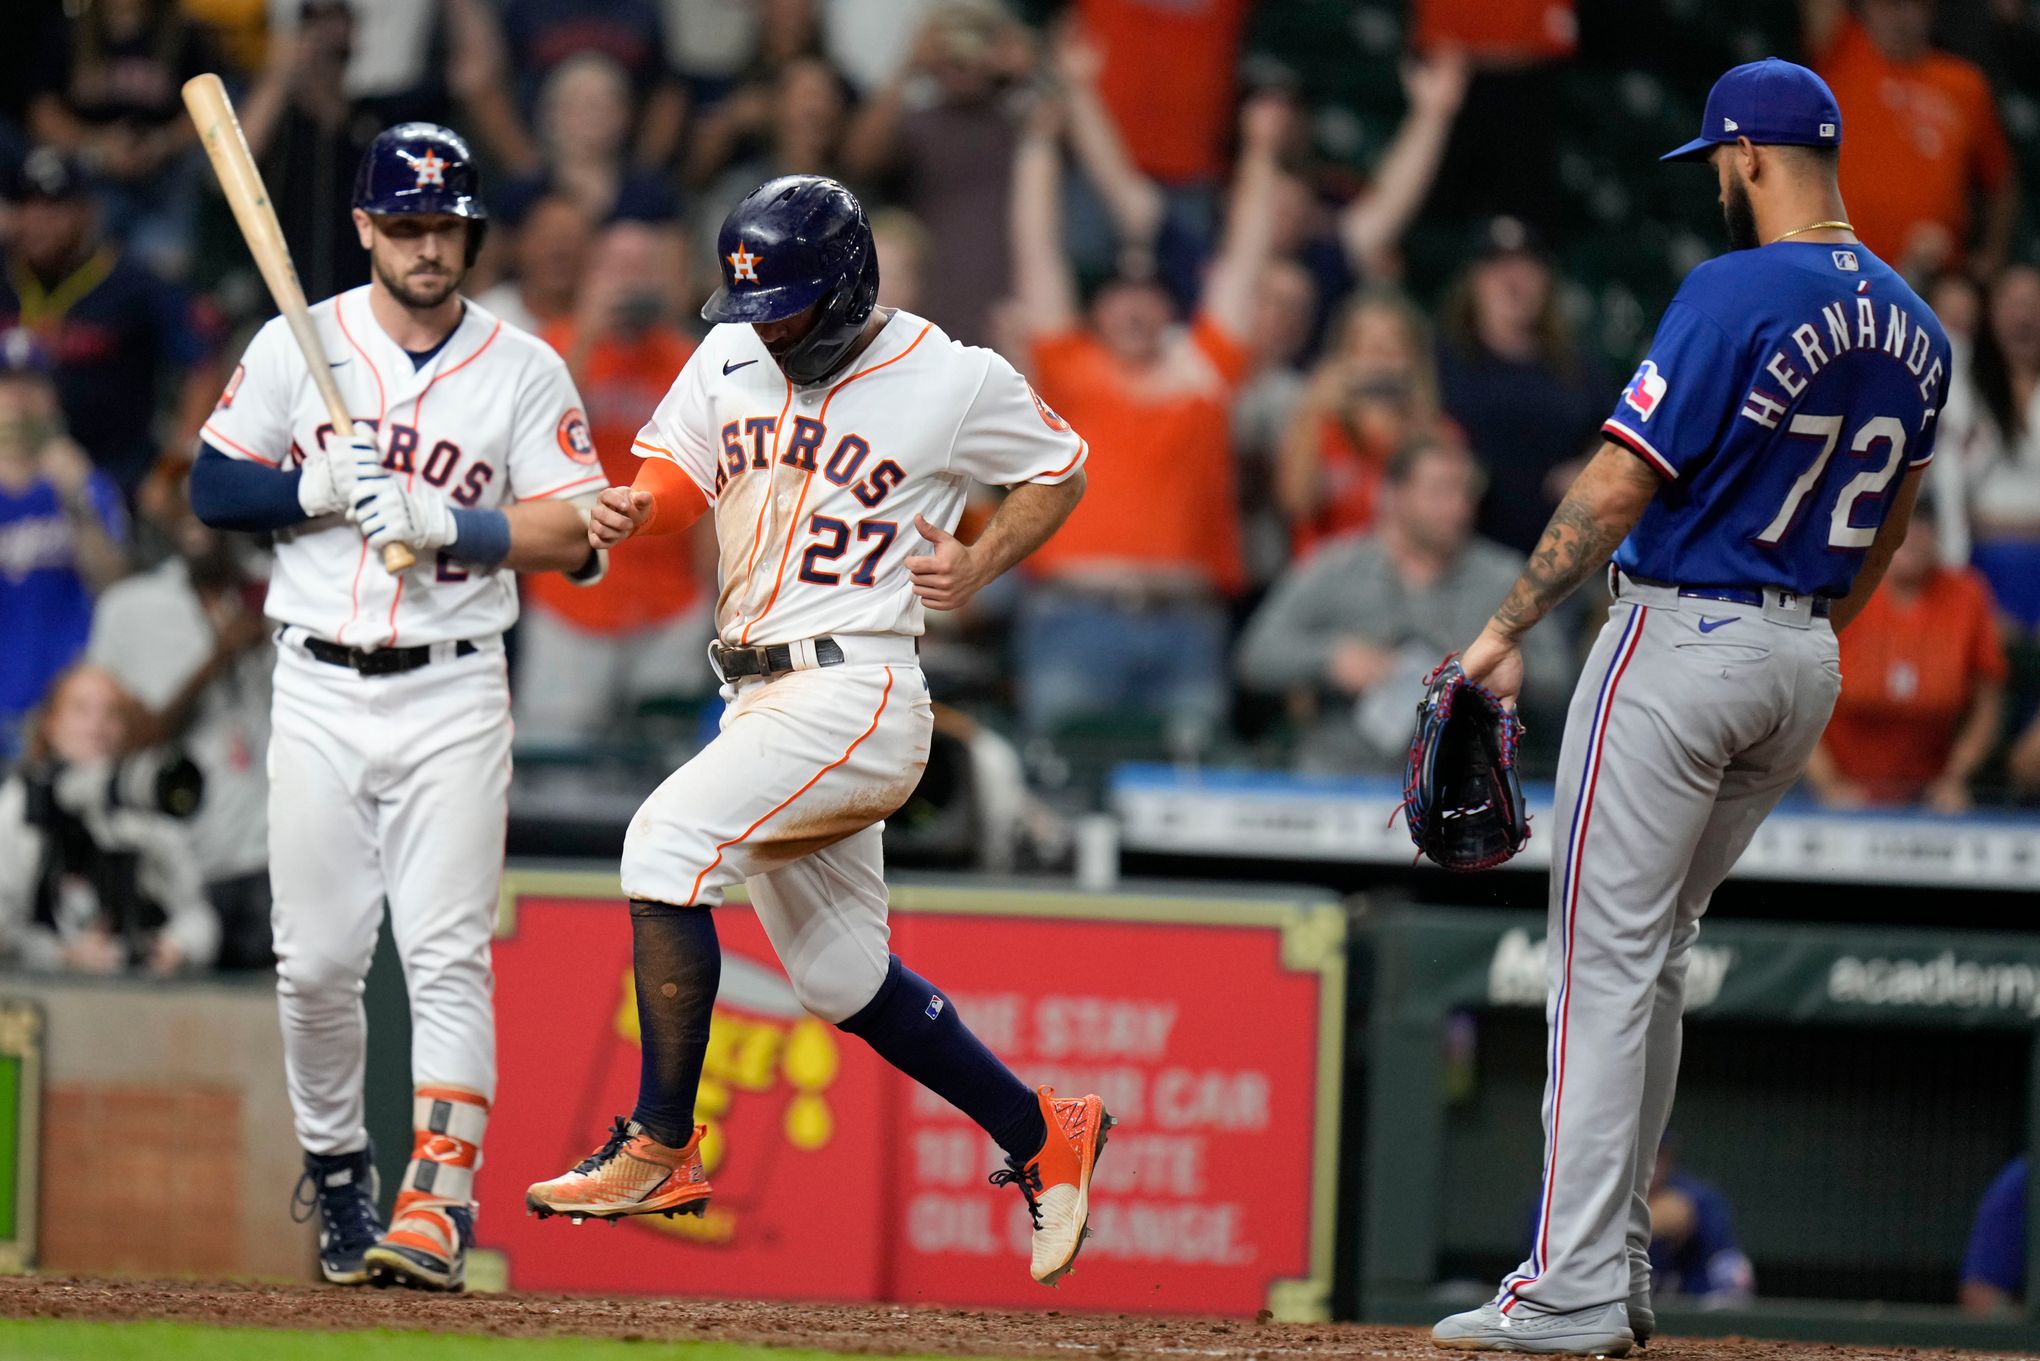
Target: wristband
481 537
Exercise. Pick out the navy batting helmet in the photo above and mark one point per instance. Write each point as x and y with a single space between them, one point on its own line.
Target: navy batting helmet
422 168
793 243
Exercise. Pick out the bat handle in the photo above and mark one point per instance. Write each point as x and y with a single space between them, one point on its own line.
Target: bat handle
397 557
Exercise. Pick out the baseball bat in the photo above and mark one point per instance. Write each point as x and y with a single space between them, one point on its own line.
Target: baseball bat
213 114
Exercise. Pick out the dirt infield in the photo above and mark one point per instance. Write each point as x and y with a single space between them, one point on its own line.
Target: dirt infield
839 1328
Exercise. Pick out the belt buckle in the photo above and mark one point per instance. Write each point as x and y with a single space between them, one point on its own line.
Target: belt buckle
737 663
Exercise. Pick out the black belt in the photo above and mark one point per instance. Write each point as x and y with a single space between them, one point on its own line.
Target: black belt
1745 595
736 663
382 661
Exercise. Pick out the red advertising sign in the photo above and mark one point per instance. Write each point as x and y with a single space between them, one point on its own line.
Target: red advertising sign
1209 1028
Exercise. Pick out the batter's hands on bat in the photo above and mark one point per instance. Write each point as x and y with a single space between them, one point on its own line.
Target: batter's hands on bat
619 513
387 514
1496 661
946 578
318 489
356 460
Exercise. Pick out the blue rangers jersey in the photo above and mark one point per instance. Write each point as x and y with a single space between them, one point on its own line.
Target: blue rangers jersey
1786 393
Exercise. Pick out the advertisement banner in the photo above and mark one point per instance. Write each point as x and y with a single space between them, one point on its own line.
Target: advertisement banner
1209 1027
1435 960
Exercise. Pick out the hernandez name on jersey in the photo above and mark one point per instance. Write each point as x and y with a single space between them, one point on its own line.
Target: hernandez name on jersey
815 489
490 418
1786 392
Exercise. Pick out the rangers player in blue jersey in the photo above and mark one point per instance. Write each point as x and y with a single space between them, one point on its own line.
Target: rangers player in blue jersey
1756 475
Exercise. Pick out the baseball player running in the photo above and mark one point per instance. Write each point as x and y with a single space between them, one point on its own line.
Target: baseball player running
1759 470
389 762
833 441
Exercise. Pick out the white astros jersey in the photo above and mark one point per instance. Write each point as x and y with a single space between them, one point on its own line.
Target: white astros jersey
490 419
815 489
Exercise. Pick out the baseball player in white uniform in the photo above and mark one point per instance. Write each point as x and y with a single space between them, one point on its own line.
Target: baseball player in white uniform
389 760
834 442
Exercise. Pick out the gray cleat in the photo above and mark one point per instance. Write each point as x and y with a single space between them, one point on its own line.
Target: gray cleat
1642 1318
1600 1331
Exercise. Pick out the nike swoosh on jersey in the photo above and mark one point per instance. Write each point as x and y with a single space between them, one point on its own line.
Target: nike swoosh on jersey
729 368
335 363
1709 625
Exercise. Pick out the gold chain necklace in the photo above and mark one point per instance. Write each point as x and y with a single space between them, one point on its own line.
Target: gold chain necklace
1814 227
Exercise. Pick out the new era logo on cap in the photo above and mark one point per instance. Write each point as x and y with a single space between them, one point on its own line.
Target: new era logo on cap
1770 102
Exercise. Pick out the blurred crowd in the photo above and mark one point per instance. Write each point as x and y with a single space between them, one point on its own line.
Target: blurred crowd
1299 271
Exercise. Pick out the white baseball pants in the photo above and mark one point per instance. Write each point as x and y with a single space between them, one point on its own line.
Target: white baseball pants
790 799
397 788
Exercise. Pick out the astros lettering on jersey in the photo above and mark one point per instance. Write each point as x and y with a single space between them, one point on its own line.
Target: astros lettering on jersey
490 419
815 489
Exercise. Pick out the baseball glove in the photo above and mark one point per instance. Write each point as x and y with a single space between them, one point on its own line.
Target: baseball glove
1461 800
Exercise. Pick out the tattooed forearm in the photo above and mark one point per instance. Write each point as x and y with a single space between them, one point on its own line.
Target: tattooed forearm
1603 505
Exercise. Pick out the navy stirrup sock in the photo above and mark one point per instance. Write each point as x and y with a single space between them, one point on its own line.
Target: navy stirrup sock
915 1028
676 962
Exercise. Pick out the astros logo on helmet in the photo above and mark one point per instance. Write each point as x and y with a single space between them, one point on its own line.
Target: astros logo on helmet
431 168
745 263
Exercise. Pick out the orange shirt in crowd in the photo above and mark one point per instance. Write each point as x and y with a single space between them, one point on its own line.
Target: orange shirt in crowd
1168 79
650 581
1350 474
1909 671
1159 481
1915 138
1498 30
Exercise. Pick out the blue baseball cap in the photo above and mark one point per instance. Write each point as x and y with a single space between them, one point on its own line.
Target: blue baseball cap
1771 102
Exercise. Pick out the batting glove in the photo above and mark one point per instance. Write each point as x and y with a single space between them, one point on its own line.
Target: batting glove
388 514
355 461
318 488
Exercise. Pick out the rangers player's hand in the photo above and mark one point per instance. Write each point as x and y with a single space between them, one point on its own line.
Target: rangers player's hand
1495 661
619 513
388 514
946 578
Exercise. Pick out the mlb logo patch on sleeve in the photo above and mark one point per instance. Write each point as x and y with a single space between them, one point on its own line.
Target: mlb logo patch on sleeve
1645 390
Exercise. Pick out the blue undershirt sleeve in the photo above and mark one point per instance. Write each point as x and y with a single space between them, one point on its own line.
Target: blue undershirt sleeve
231 493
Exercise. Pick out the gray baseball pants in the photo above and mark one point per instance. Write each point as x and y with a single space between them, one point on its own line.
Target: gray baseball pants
1691 719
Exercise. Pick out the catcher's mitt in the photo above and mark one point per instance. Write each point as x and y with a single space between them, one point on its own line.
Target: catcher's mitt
1461 800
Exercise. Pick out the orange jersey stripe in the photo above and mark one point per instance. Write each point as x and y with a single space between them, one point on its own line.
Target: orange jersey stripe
565 486
824 416
395 601
785 553
418 411
243 449
722 846
771 471
382 401
1082 446
353 594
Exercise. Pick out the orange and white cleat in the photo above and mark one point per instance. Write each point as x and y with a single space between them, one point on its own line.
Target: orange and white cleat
1057 1180
425 1246
631 1174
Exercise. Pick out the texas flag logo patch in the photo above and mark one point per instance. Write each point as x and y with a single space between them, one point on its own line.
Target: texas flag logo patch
1645 390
